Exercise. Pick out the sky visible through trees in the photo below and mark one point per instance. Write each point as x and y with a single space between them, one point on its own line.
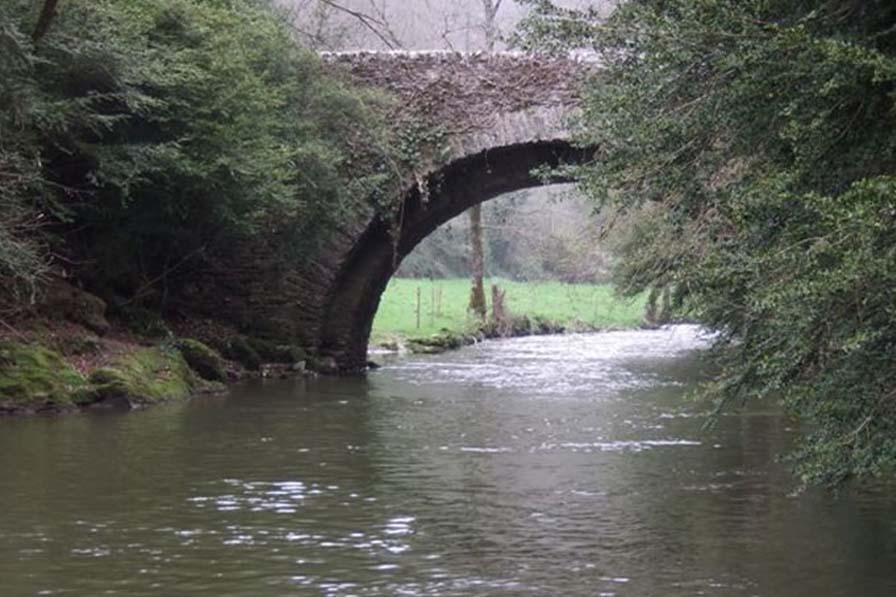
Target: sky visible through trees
406 24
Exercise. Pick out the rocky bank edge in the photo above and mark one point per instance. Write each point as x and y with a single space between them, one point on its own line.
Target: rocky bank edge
66 355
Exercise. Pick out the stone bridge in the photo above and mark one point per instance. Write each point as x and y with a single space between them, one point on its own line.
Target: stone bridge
499 118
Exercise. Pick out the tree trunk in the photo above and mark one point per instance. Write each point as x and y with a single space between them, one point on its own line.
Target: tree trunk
477 263
477 251
47 13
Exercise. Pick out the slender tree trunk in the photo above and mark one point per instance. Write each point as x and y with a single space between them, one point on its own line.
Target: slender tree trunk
477 263
47 14
477 250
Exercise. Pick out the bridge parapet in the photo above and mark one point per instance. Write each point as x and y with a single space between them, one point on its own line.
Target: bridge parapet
476 100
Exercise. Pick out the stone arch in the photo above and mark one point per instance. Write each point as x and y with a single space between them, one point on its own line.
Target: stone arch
498 117
355 292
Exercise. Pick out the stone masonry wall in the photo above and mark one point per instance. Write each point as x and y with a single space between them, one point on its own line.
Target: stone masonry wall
477 102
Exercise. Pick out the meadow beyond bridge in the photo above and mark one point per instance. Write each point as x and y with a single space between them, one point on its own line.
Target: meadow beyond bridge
499 118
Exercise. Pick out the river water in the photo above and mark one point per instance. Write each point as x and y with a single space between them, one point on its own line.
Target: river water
569 465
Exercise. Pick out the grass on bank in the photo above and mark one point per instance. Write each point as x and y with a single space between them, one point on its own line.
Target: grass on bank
443 304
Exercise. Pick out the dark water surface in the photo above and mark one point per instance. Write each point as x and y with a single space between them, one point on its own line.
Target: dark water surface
543 466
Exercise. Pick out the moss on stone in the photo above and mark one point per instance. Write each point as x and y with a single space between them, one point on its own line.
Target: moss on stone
86 395
146 377
202 359
438 343
33 377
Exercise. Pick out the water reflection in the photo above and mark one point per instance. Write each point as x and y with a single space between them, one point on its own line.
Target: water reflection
543 466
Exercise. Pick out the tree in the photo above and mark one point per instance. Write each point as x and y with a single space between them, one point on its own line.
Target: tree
749 146
47 13
24 254
149 137
477 305
418 25
326 31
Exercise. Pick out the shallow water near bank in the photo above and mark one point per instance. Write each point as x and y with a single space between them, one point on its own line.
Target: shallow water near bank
567 465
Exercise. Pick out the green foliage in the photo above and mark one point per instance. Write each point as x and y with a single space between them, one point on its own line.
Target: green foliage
160 132
22 255
749 146
414 138
33 377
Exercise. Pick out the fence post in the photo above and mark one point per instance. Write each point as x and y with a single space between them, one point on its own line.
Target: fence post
432 302
418 307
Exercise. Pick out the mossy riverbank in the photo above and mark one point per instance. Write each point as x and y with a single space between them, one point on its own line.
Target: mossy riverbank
445 339
52 362
35 378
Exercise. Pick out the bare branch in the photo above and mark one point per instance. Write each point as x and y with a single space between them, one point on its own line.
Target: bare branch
375 24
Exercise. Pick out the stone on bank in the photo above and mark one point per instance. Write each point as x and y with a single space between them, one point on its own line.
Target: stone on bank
34 378
147 376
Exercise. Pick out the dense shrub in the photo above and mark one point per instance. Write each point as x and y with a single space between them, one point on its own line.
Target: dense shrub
750 145
144 135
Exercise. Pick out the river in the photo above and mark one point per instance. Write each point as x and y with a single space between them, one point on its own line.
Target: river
568 465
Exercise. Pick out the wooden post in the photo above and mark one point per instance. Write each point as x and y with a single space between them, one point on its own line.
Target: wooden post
418 307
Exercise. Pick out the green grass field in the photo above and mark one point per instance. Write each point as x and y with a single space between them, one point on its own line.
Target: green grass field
592 304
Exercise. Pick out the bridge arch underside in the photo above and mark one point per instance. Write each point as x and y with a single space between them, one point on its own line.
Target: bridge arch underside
355 296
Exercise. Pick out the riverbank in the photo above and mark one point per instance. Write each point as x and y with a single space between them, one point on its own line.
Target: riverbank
430 316
60 369
69 355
